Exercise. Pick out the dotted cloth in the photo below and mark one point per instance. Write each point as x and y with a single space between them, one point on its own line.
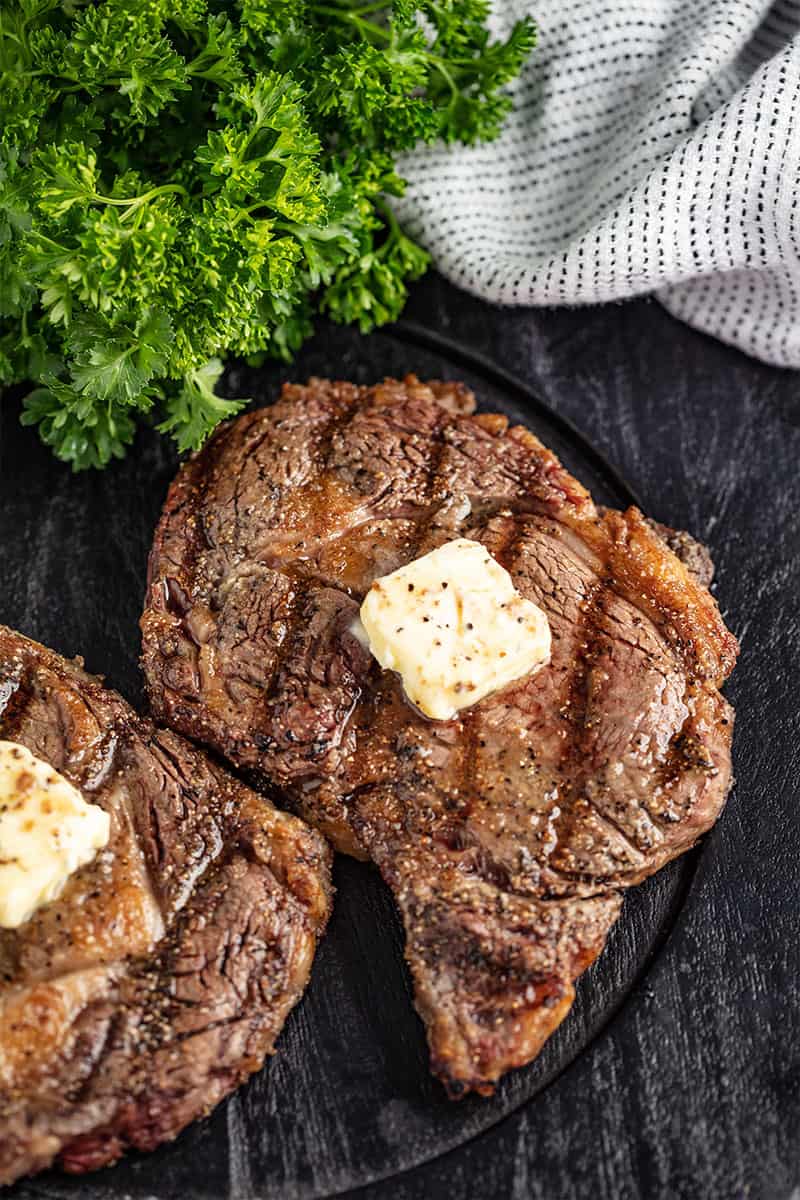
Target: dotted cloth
654 147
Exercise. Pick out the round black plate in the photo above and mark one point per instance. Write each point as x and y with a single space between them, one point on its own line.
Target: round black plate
347 1098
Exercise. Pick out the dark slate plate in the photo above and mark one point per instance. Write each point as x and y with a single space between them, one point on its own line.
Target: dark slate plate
347 1100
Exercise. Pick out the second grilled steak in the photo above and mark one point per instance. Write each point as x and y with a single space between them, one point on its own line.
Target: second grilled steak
162 975
508 835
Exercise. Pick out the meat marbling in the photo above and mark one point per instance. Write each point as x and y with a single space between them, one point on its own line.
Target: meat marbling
509 835
162 975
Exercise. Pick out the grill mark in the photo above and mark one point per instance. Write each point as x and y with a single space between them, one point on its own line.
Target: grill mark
433 463
617 828
421 511
172 768
507 553
471 721
577 708
237 494
337 424
181 513
425 508
639 646
276 557
301 588
577 716
197 484
295 605
676 762
408 510
248 452
268 430
111 1032
278 893
667 768
571 878
578 686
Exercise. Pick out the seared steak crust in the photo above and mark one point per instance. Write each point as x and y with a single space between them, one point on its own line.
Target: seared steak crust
162 975
508 835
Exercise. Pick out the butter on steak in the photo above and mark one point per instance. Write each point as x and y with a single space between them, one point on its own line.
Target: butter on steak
160 977
509 834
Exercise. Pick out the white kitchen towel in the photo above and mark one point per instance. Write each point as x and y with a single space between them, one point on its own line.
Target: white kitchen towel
654 147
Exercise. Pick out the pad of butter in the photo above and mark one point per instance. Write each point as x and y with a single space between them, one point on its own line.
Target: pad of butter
47 831
454 627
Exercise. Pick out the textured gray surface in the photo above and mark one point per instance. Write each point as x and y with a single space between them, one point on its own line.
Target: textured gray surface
678 1074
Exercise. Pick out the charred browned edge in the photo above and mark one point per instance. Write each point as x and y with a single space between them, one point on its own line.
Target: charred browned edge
17 650
184 496
20 659
188 492
32 657
577 718
681 608
185 491
15 695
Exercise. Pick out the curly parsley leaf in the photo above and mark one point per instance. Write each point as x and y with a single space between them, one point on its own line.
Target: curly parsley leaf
80 430
185 180
118 363
197 409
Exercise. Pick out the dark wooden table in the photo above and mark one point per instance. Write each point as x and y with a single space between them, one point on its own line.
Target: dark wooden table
687 1083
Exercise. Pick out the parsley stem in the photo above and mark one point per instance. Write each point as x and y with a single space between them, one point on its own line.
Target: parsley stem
135 202
6 33
439 65
364 10
389 217
367 27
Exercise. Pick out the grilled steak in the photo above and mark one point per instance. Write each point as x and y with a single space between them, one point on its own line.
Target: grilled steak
162 975
509 835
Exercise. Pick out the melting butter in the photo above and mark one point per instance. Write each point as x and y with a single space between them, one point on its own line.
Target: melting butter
47 831
454 627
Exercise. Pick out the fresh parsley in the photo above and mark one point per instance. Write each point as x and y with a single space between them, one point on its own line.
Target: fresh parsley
183 180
